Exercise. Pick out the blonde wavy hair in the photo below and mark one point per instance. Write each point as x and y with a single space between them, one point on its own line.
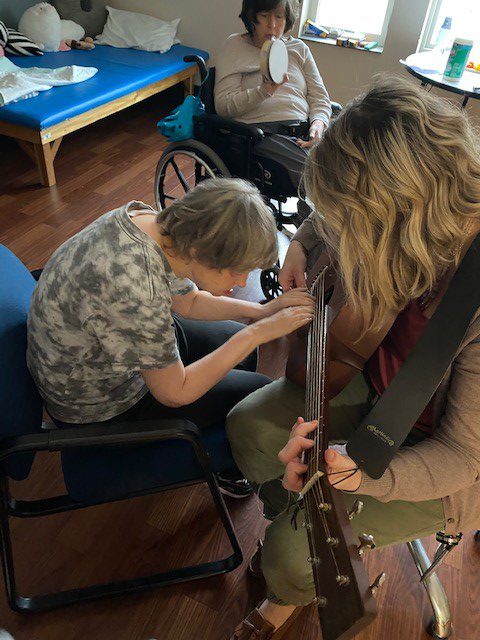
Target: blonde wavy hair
395 181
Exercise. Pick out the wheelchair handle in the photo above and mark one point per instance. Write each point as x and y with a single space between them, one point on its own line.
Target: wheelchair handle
200 62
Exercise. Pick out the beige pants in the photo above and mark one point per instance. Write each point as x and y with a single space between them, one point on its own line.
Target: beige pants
258 427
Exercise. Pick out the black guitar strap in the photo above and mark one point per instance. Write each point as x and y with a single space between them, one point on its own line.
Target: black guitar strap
384 429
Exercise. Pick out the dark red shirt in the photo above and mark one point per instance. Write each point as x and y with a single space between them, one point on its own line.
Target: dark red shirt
382 367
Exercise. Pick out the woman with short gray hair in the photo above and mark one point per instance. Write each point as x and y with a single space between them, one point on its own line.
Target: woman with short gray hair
118 329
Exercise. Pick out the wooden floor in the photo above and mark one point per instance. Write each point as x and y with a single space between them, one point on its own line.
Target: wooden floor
98 169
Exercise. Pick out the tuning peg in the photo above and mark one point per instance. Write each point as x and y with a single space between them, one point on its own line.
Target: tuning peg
377 583
366 542
320 601
356 509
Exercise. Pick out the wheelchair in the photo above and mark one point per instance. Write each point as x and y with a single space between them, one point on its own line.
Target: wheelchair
223 147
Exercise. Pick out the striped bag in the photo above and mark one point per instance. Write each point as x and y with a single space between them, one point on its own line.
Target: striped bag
3 34
16 44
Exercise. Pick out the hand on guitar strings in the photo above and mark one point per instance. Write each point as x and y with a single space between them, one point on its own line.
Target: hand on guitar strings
342 472
292 273
291 454
294 298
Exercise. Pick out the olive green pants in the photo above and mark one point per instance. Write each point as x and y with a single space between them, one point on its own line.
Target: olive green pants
258 427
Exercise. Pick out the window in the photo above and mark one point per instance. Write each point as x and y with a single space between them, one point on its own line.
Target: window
370 18
465 16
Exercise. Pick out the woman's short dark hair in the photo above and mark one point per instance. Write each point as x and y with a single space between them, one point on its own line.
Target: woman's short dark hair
250 8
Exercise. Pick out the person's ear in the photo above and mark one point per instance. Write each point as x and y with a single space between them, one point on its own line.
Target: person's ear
168 247
192 256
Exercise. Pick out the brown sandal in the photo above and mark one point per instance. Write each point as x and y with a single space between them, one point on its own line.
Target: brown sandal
256 627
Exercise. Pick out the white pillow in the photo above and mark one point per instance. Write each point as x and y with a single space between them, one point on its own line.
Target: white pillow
127 29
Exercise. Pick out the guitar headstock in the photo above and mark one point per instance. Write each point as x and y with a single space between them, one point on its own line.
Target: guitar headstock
345 599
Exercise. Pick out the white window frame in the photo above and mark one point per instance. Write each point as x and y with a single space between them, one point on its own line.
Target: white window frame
312 10
425 42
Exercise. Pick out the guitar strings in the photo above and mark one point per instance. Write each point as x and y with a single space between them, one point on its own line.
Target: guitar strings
313 456
316 348
317 337
312 404
315 409
315 382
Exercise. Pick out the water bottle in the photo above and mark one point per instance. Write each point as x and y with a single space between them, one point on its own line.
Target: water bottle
445 36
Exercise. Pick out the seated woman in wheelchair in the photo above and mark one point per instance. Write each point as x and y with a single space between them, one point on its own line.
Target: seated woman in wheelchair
401 211
295 112
103 345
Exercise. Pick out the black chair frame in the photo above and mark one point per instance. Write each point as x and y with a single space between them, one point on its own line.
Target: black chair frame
98 435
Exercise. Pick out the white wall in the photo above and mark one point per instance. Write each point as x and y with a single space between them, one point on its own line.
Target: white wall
206 23
12 10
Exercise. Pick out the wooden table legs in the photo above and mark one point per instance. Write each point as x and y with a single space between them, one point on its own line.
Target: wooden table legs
43 154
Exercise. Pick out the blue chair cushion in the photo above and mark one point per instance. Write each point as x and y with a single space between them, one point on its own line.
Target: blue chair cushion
120 71
20 402
102 474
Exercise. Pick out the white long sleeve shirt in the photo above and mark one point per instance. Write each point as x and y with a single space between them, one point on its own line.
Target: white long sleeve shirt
239 93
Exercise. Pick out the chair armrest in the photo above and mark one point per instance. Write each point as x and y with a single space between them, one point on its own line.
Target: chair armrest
233 126
101 435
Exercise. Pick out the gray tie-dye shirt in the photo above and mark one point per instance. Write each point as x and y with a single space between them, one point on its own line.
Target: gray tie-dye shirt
101 313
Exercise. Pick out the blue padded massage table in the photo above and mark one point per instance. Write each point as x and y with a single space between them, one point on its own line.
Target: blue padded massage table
125 76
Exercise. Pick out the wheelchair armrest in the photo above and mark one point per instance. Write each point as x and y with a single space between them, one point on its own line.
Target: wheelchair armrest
233 126
101 434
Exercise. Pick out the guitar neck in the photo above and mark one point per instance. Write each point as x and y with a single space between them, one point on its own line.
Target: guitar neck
345 603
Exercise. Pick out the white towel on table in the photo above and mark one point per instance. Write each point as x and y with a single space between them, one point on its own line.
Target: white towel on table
18 83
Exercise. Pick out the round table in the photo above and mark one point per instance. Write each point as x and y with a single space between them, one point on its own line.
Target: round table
429 66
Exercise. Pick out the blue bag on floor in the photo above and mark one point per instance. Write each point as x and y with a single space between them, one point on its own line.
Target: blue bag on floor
178 125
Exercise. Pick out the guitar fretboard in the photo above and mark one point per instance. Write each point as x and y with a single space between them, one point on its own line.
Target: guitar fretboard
345 604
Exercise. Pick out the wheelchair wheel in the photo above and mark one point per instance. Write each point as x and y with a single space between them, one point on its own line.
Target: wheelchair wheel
269 282
183 166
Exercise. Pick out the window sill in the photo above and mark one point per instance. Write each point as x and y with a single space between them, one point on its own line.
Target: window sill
333 43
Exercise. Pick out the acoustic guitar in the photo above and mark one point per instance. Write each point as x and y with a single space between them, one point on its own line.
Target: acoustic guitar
345 599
